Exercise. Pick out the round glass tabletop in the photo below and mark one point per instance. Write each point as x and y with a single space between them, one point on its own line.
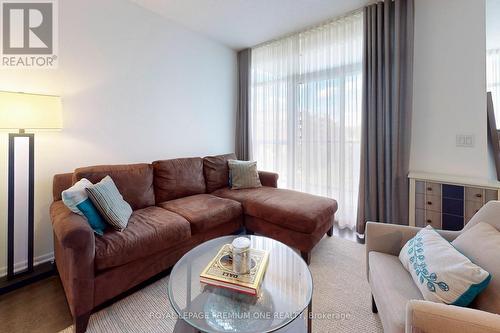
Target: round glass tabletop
285 293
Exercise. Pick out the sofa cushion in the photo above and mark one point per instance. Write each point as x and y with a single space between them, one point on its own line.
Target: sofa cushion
392 287
204 211
149 230
134 181
178 178
294 210
481 244
216 171
243 196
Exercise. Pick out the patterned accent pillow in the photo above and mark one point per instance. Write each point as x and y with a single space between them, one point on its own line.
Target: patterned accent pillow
77 200
442 274
243 174
110 203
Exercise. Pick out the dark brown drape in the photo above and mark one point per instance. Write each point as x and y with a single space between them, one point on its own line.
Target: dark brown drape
386 112
242 120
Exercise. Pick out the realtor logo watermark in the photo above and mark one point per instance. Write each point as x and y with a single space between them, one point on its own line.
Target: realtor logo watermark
29 33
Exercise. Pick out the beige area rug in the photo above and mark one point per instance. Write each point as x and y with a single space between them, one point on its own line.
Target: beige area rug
341 296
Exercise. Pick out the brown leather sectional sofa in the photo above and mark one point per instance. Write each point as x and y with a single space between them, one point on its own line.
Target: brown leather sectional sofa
177 205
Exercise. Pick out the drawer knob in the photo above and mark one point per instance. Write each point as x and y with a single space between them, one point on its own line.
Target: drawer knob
429 221
478 195
429 189
429 203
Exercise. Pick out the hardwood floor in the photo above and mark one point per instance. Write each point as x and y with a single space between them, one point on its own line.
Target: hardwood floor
39 307
42 308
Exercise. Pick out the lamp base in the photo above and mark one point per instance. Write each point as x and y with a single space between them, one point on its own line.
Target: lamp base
38 273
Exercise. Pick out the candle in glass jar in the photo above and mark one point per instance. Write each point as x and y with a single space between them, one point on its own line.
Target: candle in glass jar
241 255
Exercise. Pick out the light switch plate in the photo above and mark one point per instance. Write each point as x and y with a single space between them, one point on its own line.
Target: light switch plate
465 140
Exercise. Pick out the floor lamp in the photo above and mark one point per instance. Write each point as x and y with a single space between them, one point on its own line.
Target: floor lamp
24 112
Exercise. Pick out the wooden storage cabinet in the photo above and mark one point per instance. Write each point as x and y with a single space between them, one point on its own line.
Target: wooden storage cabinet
446 204
471 208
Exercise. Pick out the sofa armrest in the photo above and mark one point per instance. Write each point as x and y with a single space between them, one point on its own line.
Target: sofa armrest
70 229
390 238
74 250
430 317
268 178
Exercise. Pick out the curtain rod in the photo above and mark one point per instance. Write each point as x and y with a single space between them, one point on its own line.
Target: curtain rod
312 27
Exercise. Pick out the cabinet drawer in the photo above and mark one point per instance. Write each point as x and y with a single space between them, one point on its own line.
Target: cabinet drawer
420 201
433 202
420 218
433 188
433 219
471 208
474 194
419 187
490 195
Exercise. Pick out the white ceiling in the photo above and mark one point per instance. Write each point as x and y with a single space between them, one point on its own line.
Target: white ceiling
245 23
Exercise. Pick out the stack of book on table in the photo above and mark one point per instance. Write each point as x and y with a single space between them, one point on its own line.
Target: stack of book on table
219 272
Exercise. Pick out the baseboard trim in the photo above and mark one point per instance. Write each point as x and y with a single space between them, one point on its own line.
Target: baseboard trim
38 273
37 261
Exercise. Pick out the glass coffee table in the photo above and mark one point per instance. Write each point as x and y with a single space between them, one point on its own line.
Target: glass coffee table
283 305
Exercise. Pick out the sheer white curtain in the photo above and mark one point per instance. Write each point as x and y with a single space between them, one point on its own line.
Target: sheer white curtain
493 79
305 111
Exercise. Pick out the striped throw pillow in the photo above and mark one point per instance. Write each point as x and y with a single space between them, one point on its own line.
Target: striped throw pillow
243 174
109 202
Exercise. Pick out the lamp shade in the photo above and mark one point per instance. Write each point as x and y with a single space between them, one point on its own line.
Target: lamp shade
30 111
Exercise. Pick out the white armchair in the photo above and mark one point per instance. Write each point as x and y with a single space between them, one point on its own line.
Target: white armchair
397 299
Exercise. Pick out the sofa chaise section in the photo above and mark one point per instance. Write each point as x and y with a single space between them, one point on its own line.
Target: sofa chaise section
297 219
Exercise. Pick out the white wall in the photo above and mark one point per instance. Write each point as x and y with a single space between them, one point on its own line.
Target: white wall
450 88
135 88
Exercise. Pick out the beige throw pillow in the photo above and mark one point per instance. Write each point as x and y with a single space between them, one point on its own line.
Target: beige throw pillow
243 174
481 244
